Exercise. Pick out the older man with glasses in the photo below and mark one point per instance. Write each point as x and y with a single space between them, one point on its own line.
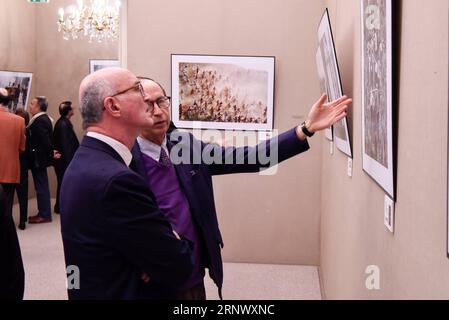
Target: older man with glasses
184 191
117 242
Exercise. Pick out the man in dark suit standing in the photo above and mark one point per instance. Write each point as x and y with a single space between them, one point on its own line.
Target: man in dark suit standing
41 154
183 188
12 142
112 230
65 142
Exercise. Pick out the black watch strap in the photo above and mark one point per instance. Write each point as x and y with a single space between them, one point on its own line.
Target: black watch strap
305 131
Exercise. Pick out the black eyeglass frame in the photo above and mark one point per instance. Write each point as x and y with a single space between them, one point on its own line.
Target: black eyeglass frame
136 85
160 103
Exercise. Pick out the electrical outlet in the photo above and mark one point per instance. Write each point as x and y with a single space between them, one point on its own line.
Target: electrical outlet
389 214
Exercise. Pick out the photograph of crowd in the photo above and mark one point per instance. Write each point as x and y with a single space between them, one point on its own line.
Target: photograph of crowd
224 94
18 85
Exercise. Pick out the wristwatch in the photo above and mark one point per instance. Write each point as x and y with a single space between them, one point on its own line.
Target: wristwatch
306 131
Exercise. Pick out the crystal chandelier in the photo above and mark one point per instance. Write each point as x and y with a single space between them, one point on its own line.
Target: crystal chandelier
97 21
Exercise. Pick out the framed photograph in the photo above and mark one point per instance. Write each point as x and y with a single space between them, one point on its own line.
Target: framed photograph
222 92
326 47
377 92
323 86
18 85
95 65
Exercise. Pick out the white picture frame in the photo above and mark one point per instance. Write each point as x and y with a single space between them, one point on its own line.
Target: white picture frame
18 85
97 64
222 92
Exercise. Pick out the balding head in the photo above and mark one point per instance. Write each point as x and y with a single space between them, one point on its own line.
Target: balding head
96 87
113 102
4 97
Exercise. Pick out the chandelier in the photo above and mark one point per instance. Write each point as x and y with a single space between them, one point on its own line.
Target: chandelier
97 21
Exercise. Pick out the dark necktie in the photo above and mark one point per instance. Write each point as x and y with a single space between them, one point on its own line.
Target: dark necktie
164 159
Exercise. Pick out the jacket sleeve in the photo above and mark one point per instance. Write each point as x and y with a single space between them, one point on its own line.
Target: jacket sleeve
253 159
135 227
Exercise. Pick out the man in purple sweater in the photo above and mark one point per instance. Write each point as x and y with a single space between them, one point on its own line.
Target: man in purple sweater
180 176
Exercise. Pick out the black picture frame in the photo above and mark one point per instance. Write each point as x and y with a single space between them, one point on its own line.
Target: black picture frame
324 88
326 46
379 98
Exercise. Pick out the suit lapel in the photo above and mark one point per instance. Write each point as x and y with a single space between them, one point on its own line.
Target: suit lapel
183 171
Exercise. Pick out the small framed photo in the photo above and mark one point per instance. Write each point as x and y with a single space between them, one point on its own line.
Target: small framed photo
222 92
18 85
95 65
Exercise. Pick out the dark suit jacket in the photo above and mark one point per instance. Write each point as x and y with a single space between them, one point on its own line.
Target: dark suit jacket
196 181
113 231
65 141
41 132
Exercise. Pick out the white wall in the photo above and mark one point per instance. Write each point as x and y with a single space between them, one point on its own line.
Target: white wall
263 219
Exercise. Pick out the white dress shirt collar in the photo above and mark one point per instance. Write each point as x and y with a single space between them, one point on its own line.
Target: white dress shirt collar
37 115
151 149
119 147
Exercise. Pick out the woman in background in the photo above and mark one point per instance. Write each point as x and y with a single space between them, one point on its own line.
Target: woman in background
22 188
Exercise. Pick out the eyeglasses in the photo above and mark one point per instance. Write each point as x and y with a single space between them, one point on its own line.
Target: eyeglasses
136 86
162 102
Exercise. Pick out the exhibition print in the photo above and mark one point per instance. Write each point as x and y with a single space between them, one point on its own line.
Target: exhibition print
223 92
18 85
328 53
323 87
377 97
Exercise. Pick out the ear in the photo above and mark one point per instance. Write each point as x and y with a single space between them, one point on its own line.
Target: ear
112 107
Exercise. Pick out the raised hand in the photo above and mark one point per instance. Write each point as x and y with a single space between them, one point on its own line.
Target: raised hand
324 115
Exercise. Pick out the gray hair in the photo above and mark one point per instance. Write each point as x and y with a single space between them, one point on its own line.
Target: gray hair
91 101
